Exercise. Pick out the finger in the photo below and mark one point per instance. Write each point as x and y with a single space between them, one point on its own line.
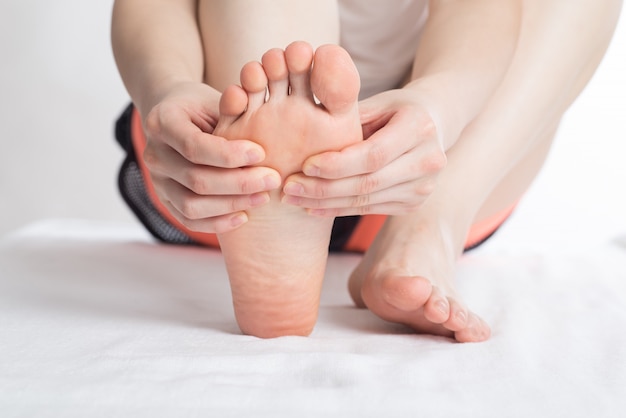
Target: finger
191 206
411 194
214 225
206 180
411 166
389 208
367 156
176 129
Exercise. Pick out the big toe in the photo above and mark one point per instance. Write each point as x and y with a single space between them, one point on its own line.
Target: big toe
402 293
334 79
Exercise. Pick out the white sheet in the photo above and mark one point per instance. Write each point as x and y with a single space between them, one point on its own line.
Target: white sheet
98 321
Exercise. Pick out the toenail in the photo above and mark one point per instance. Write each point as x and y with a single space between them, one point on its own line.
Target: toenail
294 188
461 316
442 306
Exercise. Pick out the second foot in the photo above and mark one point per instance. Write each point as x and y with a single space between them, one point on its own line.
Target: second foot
406 278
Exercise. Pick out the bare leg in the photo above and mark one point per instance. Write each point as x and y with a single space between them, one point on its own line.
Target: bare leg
408 274
237 31
276 261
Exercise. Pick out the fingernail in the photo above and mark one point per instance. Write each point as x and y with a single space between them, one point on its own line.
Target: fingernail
311 170
294 188
290 200
253 156
238 220
271 182
259 199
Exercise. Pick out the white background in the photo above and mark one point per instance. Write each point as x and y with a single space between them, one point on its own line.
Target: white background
60 94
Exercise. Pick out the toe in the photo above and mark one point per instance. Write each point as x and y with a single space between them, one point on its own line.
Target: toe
254 82
437 308
407 294
477 330
335 79
275 68
458 318
233 103
299 58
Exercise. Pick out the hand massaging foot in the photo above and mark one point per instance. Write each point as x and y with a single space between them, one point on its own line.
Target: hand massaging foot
276 261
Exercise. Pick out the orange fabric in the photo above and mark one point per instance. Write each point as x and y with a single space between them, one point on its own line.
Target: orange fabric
361 238
481 230
139 144
369 225
365 232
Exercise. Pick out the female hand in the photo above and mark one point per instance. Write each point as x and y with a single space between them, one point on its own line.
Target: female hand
204 180
393 171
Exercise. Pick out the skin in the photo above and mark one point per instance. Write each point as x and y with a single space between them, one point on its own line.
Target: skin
276 261
462 101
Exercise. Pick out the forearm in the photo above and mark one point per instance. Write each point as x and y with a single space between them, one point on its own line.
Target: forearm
464 52
561 45
156 44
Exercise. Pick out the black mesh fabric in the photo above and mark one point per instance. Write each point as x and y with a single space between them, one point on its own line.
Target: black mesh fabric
133 189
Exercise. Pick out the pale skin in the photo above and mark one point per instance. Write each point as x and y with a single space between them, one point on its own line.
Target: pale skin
276 261
463 105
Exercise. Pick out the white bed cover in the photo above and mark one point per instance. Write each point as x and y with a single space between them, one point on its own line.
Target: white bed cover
96 320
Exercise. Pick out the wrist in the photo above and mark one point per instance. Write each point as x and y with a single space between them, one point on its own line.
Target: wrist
444 104
155 90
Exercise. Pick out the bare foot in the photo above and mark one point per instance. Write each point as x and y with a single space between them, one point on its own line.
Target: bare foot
407 277
276 261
